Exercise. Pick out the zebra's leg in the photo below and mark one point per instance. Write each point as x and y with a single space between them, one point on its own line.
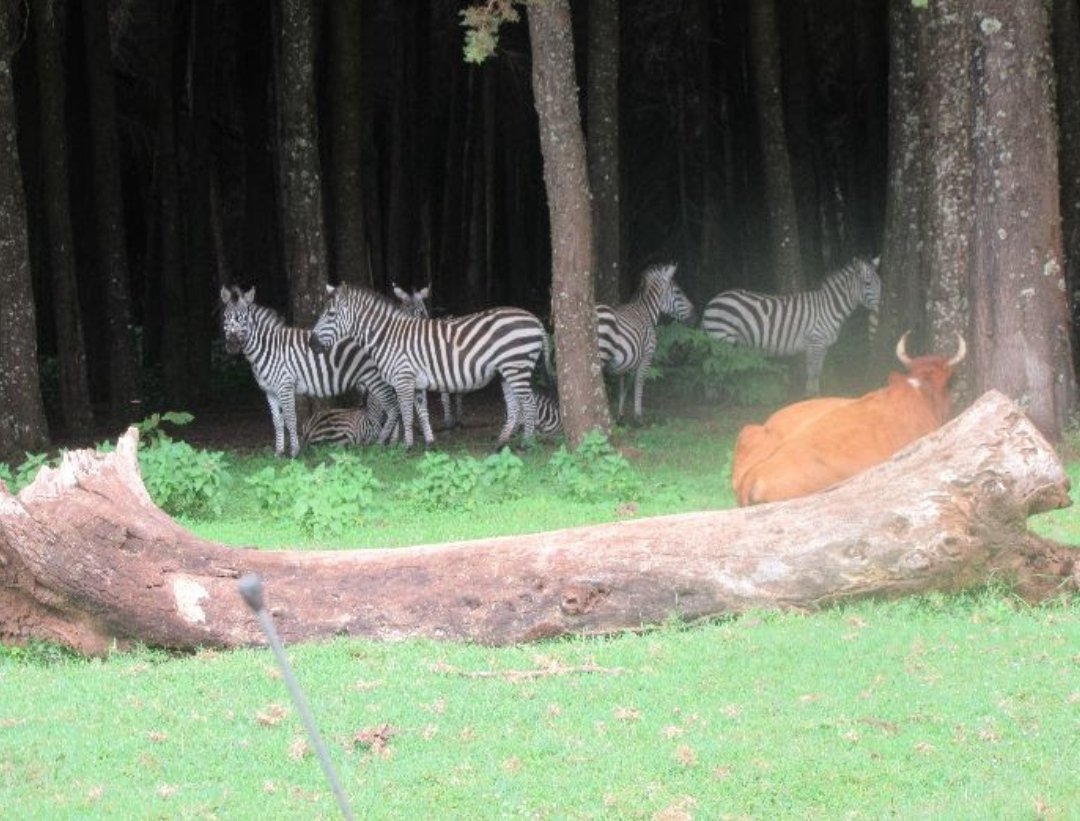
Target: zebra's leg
527 402
288 411
406 395
622 396
815 361
513 413
279 424
425 418
449 420
639 388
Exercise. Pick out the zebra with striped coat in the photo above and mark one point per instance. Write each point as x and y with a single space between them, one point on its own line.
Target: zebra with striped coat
807 321
415 304
627 333
454 355
340 426
285 367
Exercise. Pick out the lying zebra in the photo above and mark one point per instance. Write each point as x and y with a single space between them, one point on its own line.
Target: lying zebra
806 321
285 367
627 333
353 427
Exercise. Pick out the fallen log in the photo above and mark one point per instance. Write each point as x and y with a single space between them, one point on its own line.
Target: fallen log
88 560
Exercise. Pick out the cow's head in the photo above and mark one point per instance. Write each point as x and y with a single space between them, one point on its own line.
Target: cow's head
930 374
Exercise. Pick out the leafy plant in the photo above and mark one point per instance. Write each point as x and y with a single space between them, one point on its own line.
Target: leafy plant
324 501
594 471
694 364
182 480
22 475
448 483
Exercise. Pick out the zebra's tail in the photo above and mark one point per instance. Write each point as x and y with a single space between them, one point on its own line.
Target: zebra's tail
872 327
549 367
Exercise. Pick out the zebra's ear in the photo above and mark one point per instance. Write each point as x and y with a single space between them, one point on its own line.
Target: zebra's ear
876 262
424 292
248 296
330 289
226 295
400 294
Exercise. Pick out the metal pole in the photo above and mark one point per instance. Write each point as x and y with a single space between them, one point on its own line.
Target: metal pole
251 589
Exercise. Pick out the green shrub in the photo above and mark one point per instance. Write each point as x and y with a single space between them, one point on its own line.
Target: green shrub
461 483
594 471
18 478
324 501
694 364
182 480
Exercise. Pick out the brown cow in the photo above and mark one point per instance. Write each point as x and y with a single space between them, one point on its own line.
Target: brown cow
811 445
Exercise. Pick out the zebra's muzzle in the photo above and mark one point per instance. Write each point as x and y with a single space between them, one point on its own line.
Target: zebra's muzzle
233 345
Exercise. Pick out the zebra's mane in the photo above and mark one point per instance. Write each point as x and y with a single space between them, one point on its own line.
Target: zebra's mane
265 315
652 273
848 270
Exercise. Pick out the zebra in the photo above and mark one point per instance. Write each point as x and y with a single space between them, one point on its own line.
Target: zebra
340 426
415 304
548 420
806 321
627 333
454 355
285 366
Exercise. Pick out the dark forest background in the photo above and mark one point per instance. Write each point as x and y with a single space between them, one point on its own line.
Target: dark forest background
429 169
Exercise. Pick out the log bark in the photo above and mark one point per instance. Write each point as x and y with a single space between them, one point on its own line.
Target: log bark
88 560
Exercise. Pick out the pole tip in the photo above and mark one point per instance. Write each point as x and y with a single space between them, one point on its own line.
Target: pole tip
251 588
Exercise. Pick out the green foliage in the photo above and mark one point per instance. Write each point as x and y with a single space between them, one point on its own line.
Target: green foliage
150 429
482 24
22 475
462 483
182 480
594 471
694 364
325 501
38 653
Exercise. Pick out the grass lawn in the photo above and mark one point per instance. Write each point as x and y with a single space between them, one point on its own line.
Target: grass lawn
930 707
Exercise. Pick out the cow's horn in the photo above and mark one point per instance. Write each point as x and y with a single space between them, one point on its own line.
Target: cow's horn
901 350
961 351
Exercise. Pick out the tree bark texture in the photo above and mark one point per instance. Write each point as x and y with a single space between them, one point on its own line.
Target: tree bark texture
1019 301
110 234
776 161
603 147
905 272
299 174
87 559
582 398
348 245
945 53
22 413
1066 26
75 408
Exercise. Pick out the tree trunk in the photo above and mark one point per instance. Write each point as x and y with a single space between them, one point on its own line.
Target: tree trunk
906 275
299 174
776 162
1019 300
603 147
110 234
582 399
348 245
1066 25
22 414
75 407
88 560
949 213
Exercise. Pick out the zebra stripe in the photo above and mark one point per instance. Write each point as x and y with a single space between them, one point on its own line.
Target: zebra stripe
627 333
548 420
340 426
415 304
806 321
285 366
453 355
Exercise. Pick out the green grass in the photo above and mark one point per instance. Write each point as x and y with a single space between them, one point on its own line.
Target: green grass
930 707
945 708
